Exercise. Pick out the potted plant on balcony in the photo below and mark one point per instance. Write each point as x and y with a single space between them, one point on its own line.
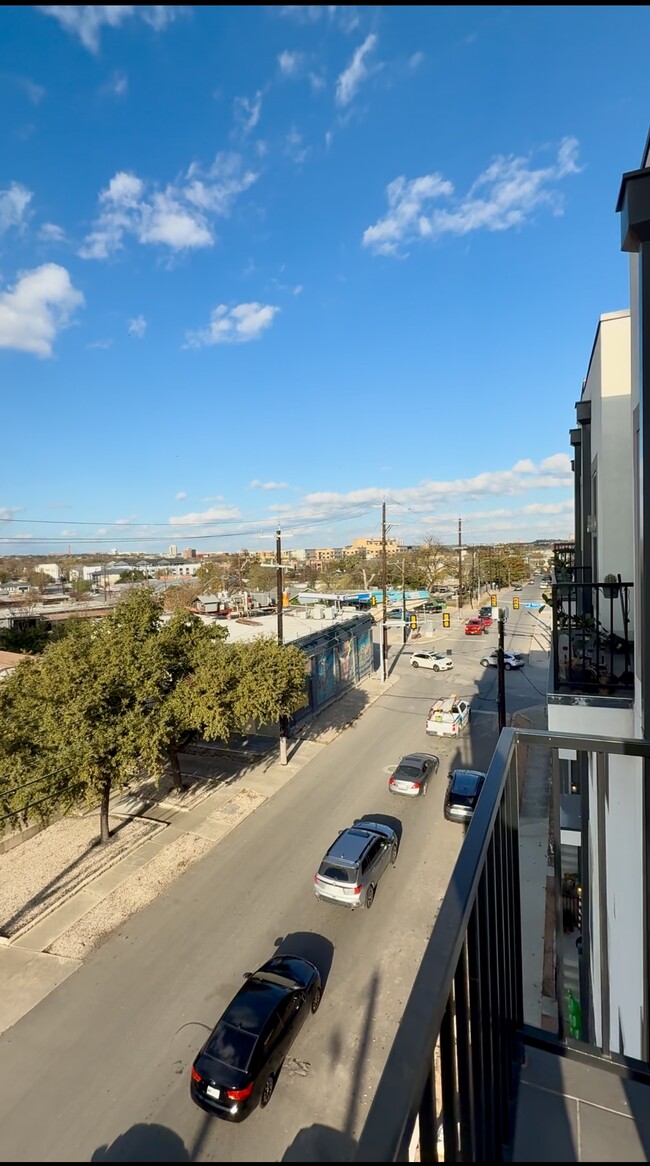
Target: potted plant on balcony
610 586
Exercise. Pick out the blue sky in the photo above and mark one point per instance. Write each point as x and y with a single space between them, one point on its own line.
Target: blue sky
275 264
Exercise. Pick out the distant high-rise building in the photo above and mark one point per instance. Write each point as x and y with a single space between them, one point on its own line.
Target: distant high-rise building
172 551
189 553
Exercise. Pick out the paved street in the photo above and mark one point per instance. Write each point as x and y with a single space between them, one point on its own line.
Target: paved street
99 1070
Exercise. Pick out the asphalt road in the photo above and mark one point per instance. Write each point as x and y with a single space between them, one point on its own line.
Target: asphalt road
99 1070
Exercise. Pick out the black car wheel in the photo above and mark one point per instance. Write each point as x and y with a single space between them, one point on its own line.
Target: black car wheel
425 787
415 663
485 663
315 1000
507 667
267 1092
436 667
370 896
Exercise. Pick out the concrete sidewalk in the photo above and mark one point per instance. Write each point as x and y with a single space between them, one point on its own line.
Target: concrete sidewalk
40 955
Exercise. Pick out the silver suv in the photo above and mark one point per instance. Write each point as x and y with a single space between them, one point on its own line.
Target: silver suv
354 864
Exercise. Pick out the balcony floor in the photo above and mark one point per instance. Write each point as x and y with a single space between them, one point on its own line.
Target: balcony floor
571 1112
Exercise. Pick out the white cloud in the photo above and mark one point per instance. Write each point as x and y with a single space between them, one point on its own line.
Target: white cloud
117 85
87 20
35 92
247 112
233 325
137 327
415 60
51 233
257 485
125 521
13 205
198 518
176 217
525 466
181 495
432 495
100 343
558 463
39 305
294 147
291 64
405 218
8 512
505 195
356 73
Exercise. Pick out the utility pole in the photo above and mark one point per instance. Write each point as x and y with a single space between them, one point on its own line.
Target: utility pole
501 677
404 631
460 565
279 588
384 629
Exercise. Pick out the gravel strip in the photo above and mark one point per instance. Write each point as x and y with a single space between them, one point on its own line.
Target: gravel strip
139 889
37 875
236 809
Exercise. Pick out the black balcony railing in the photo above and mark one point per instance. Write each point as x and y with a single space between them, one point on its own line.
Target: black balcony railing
454 1068
593 649
563 555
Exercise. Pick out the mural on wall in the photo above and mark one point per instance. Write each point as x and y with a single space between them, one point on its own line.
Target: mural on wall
345 661
325 677
364 654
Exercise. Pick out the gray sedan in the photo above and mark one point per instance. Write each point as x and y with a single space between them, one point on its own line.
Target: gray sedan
412 774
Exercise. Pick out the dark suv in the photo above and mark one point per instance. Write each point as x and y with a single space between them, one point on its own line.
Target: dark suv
462 794
354 864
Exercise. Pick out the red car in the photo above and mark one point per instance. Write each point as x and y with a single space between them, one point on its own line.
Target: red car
485 618
474 627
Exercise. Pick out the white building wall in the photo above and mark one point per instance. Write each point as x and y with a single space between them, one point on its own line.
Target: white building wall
53 570
609 389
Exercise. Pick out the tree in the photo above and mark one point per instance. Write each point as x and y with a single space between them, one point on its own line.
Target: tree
117 697
430 564
180 597
132 576
81 587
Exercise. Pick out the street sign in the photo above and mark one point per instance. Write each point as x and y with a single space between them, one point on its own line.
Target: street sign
528 604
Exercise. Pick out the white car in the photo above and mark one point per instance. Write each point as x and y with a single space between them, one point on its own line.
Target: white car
510 660
434 660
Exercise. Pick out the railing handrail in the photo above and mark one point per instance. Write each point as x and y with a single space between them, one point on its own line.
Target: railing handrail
395 1105
391 1118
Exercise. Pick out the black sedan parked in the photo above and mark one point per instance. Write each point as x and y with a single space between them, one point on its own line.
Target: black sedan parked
239 1063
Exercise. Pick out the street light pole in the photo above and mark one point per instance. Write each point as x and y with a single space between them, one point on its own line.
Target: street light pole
279 589
460 565
404 632
501 676
384 629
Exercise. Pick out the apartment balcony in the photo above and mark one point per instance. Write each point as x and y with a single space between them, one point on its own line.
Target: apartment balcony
592 640
563 555
469 1078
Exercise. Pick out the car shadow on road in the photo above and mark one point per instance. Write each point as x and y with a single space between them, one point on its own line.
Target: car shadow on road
311 946
144 1142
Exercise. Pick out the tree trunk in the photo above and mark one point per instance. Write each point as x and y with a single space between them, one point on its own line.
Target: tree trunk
103 811
176 769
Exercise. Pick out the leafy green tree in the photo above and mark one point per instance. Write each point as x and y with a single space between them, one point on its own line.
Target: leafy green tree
30 638
117 697
81 587
132 576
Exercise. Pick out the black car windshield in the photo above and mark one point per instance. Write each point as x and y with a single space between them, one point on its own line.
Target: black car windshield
231 1046
408 771
340 874
462 799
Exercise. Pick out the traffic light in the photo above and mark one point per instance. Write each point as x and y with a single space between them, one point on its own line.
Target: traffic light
446 619
515 602
493 600
373 600
414 621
